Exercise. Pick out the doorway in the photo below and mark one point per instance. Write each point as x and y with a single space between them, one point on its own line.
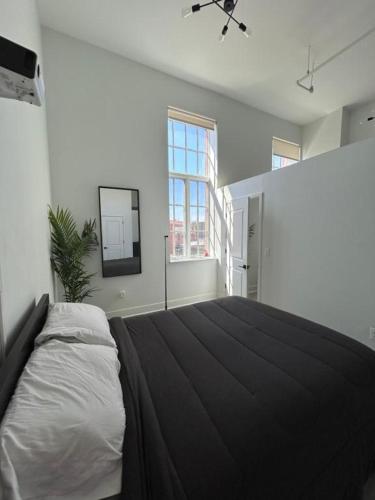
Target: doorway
244 246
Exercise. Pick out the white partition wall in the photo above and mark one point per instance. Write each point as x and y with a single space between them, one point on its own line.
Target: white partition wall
318 257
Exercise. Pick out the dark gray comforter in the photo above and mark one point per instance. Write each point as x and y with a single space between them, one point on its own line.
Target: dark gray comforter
231 399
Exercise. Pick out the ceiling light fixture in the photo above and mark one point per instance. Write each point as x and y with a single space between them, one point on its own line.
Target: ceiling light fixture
228 8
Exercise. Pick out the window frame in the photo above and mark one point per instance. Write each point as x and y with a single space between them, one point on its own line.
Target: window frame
187 178
292 158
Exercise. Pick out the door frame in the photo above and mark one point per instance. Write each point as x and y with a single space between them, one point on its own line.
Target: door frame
260 196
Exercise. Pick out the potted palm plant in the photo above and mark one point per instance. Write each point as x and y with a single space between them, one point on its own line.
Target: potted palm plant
69 248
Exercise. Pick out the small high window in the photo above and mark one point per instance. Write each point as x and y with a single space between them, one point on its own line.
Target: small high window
284 153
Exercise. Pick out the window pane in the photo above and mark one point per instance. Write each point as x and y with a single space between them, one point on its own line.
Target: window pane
178 244
170 133
202 217
193 193
179 134
191 137
179 216
201 164
192 159
202 146
171 219
281 162
179 192
286 162
171 191
193 241
202 193
193 218
203 247
276 162
194 248
179 160
170 159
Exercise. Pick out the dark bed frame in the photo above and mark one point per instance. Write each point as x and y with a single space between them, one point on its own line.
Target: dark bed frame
17 357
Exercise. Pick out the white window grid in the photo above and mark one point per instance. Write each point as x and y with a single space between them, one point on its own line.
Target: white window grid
187 179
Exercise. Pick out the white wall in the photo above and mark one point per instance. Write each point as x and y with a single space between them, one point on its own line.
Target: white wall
24 183
344 126
319 223
359 128
323 135
107 122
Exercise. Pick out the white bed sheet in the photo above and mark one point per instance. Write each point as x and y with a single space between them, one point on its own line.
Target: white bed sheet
62 434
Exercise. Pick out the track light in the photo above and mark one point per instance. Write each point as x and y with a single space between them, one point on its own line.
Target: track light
244 30
227 7
223 33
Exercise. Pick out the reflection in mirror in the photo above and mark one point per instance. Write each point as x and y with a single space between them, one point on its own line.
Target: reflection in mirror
120 232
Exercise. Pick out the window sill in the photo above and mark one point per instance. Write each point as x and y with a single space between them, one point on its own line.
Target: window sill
198 259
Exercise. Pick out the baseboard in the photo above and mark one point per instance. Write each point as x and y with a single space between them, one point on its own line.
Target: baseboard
159 306
252 288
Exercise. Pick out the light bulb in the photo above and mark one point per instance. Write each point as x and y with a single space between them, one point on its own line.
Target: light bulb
223 33
246 32
187 12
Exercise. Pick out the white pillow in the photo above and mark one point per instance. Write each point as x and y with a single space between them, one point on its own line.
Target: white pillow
76 322
71 334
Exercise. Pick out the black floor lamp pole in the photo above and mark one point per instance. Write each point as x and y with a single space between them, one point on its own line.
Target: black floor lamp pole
165 273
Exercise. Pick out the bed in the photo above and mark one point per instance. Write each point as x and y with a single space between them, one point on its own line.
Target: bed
232 400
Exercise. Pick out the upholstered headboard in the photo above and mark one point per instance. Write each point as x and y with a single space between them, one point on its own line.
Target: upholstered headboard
17 357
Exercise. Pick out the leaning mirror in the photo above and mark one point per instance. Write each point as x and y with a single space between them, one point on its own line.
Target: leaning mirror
120 231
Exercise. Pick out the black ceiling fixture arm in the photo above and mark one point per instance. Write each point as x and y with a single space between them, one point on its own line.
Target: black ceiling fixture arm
224 31
229 14
228 9
230 17
208 3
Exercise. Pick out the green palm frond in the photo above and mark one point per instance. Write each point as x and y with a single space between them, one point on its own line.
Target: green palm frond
68 250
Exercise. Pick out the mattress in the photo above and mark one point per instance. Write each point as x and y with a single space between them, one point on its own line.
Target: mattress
232 399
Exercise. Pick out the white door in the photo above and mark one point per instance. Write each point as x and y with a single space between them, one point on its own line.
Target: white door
113 237
237 247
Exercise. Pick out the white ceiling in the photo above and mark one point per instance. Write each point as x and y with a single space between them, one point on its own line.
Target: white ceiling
260 71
